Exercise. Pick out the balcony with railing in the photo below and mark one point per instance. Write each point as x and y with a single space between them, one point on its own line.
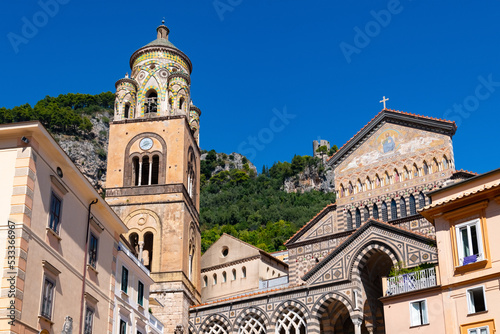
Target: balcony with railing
417 280
155 324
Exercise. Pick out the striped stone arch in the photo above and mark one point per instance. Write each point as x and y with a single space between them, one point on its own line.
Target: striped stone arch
254 312
362 256
290 303
218 320
328 298
191 328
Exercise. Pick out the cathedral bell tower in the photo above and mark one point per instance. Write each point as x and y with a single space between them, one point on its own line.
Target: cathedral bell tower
153 173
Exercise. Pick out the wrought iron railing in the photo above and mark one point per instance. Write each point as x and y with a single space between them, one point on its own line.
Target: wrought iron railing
417 280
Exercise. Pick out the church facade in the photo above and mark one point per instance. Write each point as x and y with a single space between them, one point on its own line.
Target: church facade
338 261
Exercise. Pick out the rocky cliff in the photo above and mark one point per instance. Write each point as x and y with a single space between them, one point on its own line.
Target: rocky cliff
89 153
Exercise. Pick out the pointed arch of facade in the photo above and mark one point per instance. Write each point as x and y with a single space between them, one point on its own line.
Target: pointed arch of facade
290 304
328 298
217 319
362 255
251 312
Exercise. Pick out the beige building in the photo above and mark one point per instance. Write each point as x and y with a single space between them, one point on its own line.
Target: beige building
465 297
233 267
58 236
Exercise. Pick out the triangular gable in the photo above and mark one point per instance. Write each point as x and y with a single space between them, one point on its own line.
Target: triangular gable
396 117
410 247
237 250
319 225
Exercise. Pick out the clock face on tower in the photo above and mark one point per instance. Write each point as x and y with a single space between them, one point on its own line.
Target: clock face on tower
146 144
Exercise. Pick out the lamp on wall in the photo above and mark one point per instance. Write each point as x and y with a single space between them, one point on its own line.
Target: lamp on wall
25 140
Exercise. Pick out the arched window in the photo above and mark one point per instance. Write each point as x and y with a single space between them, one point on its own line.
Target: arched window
151 102
435 166
234 274
191 174
396 176
126 113
224 277
155 169
291 321
192 250
368 183
145 171
205 281
342 191
243 272
216 327
406 174
215 279
421 200
377 181
181 102
425 168
445 162
133 238
415 171
366 214
252 324
351 188
349 219
135 171
413 209
147 252
375 211
402 207
394 210
385 216
360 186
358 218
387 179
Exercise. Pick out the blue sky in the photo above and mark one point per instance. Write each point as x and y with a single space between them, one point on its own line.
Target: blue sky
271 76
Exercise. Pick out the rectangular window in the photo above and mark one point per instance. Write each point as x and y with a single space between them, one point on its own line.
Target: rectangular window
123 327
55 213
89 319
469 242
93 250
476 300
479 330
47 298
140 293
418 313
124 279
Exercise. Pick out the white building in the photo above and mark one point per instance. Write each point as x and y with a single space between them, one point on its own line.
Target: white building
133 281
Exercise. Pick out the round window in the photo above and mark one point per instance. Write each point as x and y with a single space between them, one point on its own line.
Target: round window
225 251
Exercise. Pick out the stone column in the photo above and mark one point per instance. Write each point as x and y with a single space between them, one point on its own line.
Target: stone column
150 171
357 325
140 173
141 247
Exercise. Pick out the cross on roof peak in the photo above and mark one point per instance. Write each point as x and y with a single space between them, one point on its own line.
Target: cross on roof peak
383 101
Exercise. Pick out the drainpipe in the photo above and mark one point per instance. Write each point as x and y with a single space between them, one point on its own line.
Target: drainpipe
85 266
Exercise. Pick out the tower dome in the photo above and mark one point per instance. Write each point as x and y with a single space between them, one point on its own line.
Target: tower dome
159 84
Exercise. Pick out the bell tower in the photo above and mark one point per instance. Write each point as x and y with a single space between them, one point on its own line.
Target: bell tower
153 173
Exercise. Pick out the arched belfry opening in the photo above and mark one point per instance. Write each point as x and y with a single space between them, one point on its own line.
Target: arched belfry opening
151 102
